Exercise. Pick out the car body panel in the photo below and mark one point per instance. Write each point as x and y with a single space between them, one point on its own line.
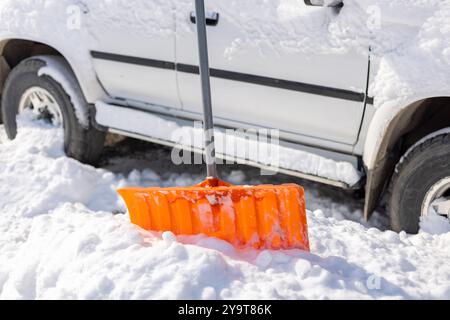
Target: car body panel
301 113
136 79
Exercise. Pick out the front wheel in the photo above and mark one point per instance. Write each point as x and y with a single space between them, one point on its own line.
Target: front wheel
26 90
421 183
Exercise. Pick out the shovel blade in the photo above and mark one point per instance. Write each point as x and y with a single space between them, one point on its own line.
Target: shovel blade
262 217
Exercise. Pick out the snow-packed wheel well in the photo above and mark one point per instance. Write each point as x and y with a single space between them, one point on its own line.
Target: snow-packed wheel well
412 124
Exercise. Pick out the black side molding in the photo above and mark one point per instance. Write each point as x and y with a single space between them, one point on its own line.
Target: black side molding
277 83
133 60
241 77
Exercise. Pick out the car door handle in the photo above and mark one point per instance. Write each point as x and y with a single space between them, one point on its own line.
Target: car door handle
212 18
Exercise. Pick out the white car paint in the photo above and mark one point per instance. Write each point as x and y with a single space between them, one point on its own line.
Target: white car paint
48 24
297 112
131 81
281 38
380 123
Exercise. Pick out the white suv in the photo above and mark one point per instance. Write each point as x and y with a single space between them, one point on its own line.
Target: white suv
131 67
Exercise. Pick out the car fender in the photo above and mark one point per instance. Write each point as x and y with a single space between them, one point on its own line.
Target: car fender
382 119
79 60
375 156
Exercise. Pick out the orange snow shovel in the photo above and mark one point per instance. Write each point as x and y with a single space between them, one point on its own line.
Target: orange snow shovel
262 217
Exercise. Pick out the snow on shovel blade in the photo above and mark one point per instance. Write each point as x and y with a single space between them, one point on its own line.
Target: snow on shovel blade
262 217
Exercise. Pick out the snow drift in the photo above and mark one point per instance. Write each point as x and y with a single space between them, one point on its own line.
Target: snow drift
400 34
61 237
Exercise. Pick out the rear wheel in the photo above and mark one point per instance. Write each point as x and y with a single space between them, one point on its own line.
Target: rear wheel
26 91
421 184
42 104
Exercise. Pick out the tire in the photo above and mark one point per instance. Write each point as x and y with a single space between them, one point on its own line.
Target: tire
82 143
422 167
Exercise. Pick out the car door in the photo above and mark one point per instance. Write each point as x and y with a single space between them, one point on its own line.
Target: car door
134 50
272 65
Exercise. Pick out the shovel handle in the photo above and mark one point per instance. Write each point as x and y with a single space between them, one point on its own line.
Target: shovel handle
208 122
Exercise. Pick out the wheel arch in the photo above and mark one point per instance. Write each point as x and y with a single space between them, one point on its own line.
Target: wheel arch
394 128
16 49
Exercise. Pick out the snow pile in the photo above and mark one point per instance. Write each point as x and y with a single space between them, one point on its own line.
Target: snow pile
435 224
410 39
61 231
60 238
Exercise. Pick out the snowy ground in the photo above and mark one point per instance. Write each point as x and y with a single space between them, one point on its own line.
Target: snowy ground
62 236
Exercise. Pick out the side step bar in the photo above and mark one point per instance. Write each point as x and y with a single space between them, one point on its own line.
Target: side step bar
133 123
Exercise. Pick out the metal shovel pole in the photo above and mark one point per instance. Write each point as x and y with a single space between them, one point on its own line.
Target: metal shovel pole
208 122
